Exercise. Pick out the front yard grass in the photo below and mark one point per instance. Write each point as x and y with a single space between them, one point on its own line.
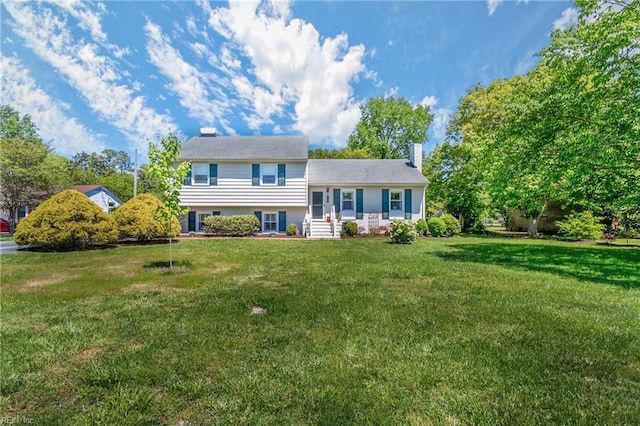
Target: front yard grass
358 331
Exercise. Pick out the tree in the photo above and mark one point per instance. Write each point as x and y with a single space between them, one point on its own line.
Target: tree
22 156
389 126
136 219
66 221
344 153
164 168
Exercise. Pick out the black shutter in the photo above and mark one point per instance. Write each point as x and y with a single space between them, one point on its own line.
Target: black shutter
359 204
282 221
385 204
259 216
407 204
282 173
187 179
213 174
336 199
192 222
255 174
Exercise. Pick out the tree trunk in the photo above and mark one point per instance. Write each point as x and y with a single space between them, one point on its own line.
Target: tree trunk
461 221
532 227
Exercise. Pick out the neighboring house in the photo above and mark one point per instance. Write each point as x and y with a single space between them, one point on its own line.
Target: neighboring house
101 196
272 178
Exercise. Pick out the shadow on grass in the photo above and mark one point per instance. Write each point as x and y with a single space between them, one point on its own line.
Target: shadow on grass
165 264
614 266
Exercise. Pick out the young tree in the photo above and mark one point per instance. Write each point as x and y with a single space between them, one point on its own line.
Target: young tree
169 175
389 126
22 156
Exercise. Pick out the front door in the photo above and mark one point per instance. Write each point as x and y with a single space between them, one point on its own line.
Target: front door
317 206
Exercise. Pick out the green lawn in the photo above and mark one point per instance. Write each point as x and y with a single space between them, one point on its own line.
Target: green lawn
443 331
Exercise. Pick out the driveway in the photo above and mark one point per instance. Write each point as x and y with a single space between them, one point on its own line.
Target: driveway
8 247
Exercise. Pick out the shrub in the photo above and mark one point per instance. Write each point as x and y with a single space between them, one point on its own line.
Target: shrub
403 232
292 229
350 229
437 227
451 223
66 221
421 227
136 219
236 226
580 226
478 227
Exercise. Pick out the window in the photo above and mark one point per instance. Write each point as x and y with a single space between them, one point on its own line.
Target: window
200 173
347 200
268 172
270 222
201 218
396 200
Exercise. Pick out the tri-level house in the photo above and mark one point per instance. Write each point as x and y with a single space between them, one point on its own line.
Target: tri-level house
273 178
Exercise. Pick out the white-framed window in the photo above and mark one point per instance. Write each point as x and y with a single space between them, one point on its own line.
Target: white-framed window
395 197
270 222
200 173
201 218
269 173
348 198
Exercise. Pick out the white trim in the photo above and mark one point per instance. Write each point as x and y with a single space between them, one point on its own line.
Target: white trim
193 174
262 174
264 222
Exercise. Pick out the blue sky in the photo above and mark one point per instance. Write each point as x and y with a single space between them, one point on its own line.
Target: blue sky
118 74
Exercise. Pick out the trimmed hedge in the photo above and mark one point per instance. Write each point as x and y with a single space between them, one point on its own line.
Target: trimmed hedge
234 226
136 219
437 227
67 221
421 227
350 229
451 223
292 229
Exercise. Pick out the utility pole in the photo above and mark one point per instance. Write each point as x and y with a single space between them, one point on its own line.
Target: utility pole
135 175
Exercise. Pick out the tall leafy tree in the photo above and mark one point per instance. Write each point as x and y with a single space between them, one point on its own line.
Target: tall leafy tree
389 126
169 175
22 157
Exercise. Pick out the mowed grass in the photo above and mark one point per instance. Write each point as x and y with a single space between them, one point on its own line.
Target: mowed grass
443 331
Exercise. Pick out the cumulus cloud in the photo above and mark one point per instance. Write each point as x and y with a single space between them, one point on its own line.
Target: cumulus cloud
192 87
568 18
94 76
67 136
492 5
293 66
441 117
429 101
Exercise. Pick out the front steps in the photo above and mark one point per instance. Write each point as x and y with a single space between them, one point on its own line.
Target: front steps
322 229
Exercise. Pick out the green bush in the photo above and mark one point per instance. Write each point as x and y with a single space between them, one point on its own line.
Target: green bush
136 219
580 226
437 227
403 232
350 229
66 221
421 227
235 226
292 229
451 223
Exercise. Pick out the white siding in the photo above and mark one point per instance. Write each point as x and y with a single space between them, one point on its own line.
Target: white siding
372 199
235 188
294 215
102 199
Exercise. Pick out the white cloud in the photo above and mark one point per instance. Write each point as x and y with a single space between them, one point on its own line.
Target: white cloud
492 5
67 136
95 77
292 65
186 81
441 117
429 101
568 18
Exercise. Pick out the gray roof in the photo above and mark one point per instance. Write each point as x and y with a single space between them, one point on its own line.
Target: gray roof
245 148
364 172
